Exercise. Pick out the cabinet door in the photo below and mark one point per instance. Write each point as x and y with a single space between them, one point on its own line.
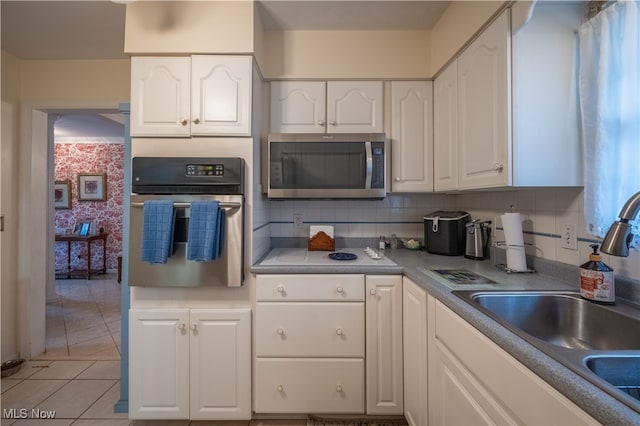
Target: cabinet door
220 364
445 129
474 381
221 95
384 345
298 106
160 93
414 320
412 136
354 106
484 108
159 364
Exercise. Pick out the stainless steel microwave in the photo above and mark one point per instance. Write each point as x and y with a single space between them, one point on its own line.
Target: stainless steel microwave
327 165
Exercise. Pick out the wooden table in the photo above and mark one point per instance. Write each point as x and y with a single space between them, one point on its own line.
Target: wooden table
88 239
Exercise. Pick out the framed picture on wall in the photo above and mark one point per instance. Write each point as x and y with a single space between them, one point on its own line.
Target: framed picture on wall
92 187
62 194
82 228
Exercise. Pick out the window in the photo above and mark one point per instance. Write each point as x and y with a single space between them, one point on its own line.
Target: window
609 89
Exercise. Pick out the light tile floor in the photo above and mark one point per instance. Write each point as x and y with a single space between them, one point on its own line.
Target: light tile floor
83 322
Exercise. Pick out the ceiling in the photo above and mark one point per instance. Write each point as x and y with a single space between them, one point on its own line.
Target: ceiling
95 29
78 29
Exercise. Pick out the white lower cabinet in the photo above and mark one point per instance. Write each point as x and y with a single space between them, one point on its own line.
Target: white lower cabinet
472 381
324 345
190 364
383 300
414 321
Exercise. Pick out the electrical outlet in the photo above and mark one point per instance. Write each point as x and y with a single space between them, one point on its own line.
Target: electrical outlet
568 237
298 221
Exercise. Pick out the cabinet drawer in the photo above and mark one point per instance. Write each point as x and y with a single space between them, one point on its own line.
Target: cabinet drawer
310 287
309 385
323 329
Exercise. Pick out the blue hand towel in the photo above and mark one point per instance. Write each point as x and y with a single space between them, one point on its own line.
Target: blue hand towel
158 219
206 231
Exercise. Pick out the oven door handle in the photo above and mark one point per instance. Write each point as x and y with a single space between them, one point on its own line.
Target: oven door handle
183 205
369 165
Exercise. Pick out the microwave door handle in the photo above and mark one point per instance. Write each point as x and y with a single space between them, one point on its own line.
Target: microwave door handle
369 156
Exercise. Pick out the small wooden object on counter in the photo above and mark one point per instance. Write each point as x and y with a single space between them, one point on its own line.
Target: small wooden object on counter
321 241
321 237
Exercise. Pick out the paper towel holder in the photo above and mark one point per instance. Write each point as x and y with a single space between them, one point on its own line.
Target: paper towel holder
504 267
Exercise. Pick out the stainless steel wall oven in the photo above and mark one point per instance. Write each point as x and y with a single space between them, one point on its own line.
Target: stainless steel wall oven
183 181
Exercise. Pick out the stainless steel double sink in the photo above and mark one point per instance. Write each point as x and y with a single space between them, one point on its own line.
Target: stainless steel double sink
599 342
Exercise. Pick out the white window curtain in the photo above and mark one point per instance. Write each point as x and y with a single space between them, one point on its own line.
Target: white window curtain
609 90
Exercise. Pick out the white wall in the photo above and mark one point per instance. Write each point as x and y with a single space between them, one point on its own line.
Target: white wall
347 54
9 125
545 212
165 27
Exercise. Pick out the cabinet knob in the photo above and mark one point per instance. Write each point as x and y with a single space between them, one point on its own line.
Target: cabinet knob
339 331
397 179
321 123
280 388
338 388
498 167
372 292
333 123
181 326
280 289
194 327
340 290
280 331
195 120
184 121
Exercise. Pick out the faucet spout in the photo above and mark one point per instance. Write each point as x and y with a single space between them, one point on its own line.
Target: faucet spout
619 236
631 207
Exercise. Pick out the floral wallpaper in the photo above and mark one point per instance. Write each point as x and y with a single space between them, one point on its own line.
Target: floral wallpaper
70 159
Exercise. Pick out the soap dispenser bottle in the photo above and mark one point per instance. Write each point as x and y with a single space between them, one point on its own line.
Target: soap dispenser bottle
597 279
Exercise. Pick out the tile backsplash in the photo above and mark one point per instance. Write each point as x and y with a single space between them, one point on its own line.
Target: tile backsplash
544 211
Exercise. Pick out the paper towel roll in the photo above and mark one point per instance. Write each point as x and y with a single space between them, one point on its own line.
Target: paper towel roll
516 259
512 225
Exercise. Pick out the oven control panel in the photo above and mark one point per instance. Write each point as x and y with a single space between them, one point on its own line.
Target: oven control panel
205 169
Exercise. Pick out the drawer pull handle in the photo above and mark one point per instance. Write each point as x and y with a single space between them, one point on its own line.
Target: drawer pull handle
339 388
372 292
340 290
280 388
280 289
281 331
339 331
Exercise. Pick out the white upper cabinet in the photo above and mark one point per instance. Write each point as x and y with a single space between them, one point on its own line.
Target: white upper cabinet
445 129
185 96
332 107
506 110
412 136
160 94
354 106
298 106
483 108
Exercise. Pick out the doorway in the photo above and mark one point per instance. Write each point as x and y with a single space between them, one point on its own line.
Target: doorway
83 315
